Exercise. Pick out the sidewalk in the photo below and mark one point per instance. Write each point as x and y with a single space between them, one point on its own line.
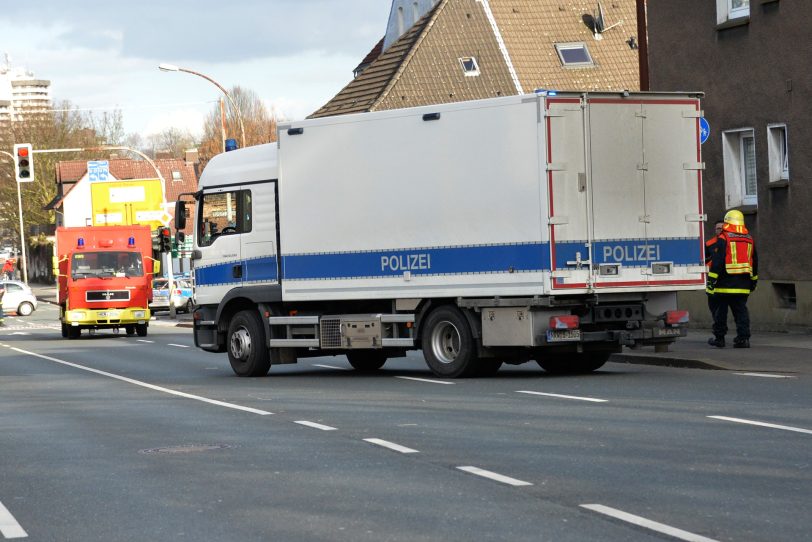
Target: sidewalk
769 352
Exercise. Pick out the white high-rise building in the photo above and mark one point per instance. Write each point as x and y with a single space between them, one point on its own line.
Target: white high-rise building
21 92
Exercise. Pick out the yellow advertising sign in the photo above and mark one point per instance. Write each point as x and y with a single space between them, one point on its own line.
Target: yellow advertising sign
123 203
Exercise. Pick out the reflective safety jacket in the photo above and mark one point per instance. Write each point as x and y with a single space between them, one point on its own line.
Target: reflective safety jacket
734 264
711 246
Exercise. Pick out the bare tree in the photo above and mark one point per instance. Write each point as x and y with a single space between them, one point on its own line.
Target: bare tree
259 122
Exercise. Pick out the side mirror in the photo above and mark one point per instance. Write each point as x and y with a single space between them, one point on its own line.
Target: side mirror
180 214
156 267
180 237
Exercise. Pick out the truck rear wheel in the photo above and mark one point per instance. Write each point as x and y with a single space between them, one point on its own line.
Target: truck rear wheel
65 329
448 344
366 361
247 350
585 362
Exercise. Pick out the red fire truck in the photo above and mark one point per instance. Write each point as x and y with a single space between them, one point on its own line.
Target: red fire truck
105 278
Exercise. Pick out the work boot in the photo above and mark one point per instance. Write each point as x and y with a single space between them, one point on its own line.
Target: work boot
718 342
741 342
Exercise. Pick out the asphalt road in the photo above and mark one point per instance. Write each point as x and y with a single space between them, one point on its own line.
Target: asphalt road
122 438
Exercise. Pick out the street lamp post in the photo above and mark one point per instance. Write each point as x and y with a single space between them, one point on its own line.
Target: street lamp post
172 68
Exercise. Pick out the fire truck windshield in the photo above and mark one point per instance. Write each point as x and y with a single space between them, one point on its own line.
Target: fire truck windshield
106 265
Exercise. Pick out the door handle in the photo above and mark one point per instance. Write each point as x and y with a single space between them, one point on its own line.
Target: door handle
236 271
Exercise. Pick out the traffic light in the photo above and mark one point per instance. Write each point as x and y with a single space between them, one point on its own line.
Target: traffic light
164 239
23 163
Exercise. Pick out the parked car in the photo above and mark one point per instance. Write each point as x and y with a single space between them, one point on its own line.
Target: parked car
181 295
19 298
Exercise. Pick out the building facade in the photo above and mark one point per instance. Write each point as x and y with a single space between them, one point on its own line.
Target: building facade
751 59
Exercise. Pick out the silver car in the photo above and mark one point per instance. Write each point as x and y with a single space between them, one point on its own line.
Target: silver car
19 298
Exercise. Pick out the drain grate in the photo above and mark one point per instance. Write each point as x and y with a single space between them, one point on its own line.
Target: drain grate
186 449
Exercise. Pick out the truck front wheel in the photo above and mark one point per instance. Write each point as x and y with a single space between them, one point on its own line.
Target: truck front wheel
448 344
247 349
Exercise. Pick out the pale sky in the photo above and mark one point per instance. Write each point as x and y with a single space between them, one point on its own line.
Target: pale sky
102 55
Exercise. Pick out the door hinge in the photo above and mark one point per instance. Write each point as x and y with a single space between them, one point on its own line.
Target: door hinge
558 220
693 114
560 166
692 166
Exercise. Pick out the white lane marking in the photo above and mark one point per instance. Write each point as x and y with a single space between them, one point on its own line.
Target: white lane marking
647 523
590 399
763 424
495 476
315 425
9 526
178 345
764 375
146 385
145 341
391 445
423 380
330 367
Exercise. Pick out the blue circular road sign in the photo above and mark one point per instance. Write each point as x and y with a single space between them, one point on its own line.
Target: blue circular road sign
704 130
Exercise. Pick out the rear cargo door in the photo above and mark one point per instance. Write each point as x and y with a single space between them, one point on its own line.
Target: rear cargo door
645 191
567 194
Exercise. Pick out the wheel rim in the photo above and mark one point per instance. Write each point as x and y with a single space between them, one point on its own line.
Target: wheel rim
241 344
445 342
26 309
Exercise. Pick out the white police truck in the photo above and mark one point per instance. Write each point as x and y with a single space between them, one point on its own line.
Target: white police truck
555 228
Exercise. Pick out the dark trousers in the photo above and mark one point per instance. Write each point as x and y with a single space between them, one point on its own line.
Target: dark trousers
738 306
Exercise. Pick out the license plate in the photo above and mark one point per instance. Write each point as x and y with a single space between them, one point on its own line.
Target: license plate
559 335
109 314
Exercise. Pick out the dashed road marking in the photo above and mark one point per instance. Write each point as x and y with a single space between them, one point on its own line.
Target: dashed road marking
315 425
146 341
762 424
559 396
495 476
647 523
178 345
330 367
424 380
391 445
146 385
764 375
9 526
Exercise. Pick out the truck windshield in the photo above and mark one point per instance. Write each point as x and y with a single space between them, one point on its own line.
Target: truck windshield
106 264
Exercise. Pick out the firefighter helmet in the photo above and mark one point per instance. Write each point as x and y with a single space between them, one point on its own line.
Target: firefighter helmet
734 217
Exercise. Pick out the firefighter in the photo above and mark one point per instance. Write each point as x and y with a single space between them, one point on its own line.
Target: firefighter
711 246
732 277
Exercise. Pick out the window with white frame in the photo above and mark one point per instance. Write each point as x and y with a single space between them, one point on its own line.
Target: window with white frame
469 66
778 152
574 55
739 156
731 9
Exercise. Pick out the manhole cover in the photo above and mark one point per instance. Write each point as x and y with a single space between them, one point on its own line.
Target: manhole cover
186 449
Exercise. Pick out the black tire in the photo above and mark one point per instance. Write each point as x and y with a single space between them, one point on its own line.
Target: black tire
448 344
129 330
65 331
25 309
141 330
366 361
188 307
583 363
246 345
74 333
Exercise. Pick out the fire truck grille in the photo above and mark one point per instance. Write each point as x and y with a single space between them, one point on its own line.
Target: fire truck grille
108 295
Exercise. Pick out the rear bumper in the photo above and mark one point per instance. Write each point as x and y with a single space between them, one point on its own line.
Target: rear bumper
106 317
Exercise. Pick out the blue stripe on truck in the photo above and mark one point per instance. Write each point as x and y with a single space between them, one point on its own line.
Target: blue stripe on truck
507 258
419 261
